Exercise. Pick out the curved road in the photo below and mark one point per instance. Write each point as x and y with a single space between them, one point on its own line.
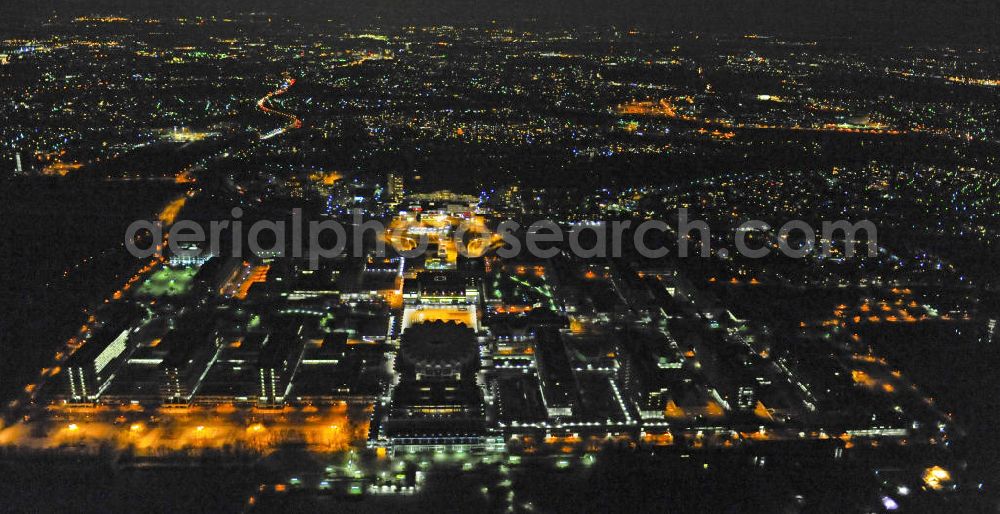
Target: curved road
293 121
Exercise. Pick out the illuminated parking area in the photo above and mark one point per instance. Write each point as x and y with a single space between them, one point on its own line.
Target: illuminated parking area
458 313
332 428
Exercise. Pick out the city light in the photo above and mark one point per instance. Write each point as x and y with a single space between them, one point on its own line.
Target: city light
499 259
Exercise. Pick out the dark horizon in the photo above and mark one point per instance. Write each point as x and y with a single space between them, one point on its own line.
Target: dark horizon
903 21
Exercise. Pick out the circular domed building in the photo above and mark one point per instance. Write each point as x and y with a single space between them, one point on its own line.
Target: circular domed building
438 349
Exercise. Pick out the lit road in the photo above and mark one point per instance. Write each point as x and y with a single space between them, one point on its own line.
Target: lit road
293 121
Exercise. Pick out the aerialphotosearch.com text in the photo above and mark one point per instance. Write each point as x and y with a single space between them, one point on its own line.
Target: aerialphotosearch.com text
324 239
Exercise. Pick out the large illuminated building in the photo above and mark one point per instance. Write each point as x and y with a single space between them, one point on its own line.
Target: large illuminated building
394 189
277 364
438 402
189 354
90 370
